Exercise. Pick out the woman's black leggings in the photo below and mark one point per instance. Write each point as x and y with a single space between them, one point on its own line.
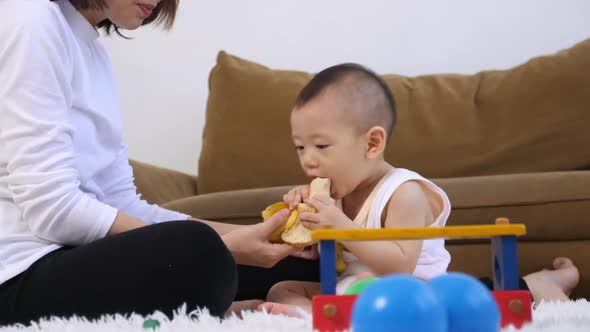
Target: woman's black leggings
157 267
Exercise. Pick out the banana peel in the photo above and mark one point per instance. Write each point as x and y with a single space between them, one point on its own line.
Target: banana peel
275 237
292 231
299 235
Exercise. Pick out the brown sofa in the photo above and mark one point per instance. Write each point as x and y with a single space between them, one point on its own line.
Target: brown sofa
504 143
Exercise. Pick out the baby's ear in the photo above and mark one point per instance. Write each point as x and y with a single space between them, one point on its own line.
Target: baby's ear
376 141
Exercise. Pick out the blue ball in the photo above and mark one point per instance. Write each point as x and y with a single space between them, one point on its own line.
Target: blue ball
469 304
398 303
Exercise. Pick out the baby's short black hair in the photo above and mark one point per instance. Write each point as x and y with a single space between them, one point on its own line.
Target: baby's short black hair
356 81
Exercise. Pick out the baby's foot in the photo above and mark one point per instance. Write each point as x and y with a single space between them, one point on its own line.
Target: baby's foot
281 309
238 307
554 285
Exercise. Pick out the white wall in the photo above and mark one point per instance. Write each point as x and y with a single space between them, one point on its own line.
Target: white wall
163 75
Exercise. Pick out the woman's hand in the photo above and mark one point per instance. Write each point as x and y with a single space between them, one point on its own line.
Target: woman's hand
250 246
296 195
327 215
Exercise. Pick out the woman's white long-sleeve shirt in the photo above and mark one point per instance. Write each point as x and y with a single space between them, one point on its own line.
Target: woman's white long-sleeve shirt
64 170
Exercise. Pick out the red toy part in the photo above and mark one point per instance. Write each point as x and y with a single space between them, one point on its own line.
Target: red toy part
332 312
515 307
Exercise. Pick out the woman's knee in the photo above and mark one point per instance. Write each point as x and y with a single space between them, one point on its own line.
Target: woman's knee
196 247
189 237
198 260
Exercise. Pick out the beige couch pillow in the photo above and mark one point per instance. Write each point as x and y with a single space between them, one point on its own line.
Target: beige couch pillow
247 135
532 118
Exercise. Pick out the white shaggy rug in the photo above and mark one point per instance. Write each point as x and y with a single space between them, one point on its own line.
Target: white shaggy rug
573 316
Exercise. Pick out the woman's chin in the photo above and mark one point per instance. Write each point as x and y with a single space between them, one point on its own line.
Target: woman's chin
130 25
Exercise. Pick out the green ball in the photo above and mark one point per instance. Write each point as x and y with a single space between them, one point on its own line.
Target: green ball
359 286
151 324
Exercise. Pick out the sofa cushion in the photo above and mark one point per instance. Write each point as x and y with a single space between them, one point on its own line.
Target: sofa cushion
554 206
158 185
531 118
247 135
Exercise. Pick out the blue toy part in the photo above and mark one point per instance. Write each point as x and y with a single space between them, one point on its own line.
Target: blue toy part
398 303
505 262
328 267
469 304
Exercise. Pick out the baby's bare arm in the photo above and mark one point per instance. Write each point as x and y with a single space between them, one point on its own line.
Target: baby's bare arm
408 207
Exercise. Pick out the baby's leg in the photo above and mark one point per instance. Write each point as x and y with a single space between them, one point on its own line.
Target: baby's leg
288 297
556 284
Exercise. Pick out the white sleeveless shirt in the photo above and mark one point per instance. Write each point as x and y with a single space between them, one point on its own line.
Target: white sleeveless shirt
434 258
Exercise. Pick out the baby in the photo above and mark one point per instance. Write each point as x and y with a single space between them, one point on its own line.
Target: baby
341 124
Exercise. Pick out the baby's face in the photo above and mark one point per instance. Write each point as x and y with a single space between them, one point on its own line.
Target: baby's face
329 144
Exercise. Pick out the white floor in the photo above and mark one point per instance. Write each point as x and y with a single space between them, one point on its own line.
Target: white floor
563 317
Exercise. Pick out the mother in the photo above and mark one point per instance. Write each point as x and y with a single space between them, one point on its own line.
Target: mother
75 238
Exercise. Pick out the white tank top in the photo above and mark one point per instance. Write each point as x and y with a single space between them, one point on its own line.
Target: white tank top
434 258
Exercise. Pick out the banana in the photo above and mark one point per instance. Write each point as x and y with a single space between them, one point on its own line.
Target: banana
275 237
299 235
292 231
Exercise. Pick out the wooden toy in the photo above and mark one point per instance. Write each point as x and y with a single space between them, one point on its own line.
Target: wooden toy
514 305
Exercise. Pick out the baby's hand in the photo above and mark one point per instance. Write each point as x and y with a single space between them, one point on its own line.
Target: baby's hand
296 196
327 215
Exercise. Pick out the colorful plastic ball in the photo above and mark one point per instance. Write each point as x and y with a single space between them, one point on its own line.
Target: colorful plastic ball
469 304
359 286
398 303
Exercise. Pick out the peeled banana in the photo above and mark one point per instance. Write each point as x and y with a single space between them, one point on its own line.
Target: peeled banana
293 231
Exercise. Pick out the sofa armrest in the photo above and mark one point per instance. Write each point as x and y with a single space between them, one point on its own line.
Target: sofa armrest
159 185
